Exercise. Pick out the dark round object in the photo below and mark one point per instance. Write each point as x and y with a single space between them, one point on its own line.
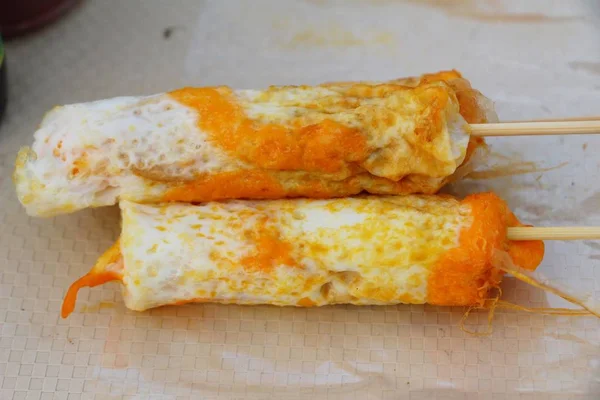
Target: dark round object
18 17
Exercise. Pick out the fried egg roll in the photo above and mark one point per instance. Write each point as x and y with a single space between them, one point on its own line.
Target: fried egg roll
305 252
216 143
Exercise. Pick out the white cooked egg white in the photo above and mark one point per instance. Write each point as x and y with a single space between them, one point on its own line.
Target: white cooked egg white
299 252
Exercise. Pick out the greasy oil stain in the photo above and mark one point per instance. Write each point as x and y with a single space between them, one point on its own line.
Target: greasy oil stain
535 209
330 35
337 37
516 190
572 338
168 32
97 307
565 214
478 10
526 167
589 67
589 118
493 12
591 244
591 203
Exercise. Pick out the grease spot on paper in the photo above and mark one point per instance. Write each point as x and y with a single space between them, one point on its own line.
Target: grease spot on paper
333 36
519 168
485 11
97 307
509 165
589 67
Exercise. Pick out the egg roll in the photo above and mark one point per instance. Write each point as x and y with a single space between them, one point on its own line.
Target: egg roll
201 144
370 250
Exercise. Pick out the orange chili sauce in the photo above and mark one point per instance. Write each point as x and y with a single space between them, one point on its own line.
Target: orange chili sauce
253 184
257 184
270 250
306 302
327 146
464 274
97 276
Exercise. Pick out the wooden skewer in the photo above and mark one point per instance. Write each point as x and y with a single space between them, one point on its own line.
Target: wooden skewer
554 233
575 119
536 128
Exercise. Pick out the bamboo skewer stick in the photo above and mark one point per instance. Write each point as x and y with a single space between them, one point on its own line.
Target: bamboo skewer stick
554 233
537 128
569 119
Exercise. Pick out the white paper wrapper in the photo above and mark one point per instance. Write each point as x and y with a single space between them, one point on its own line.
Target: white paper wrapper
536 59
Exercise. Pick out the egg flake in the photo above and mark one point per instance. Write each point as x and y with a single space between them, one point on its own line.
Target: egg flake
270 251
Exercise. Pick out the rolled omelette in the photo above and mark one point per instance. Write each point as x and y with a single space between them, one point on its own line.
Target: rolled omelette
306 252
215 143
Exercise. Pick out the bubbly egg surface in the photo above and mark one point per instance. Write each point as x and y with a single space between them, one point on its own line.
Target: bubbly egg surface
363 250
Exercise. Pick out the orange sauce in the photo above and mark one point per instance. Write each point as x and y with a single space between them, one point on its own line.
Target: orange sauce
327 146
97 276
188 301
270 252
257 184
386 294
253 184
315 188
441 76
306 302
526 254
464 274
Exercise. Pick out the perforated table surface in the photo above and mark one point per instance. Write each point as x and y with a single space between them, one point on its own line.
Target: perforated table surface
535 59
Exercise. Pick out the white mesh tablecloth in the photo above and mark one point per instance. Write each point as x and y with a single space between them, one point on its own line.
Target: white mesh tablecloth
536 59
